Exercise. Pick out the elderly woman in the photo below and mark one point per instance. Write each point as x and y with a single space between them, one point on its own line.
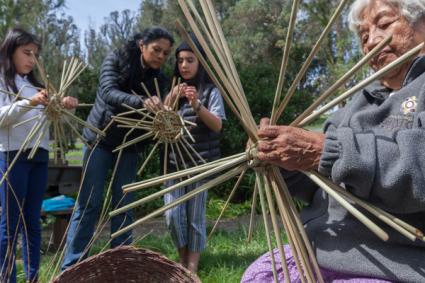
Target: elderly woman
374 147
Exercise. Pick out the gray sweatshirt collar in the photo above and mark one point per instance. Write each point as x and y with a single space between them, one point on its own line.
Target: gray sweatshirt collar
378 92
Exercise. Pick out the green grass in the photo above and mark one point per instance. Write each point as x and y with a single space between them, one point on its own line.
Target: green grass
317 125
215 206
226 257
73 156
224 260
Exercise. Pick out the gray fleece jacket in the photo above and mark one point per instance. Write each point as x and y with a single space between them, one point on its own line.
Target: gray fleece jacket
375 147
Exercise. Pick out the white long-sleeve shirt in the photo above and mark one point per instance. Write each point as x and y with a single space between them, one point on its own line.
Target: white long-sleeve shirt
13 111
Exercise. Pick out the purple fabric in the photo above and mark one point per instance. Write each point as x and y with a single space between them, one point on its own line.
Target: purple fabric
261 271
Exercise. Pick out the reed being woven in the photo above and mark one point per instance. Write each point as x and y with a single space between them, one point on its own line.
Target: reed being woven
167 126
164 125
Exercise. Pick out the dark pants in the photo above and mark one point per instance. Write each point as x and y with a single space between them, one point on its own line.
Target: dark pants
21 198
90 201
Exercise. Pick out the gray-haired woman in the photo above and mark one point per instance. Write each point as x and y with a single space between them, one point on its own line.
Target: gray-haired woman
374 146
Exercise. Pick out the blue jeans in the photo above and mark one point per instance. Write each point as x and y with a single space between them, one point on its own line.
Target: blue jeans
24 190
98 163
186 222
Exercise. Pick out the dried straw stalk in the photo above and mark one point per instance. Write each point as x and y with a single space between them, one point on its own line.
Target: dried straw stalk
376 76
308 61
227 203
224 177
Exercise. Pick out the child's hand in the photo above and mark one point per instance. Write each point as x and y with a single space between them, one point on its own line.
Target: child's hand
191 94
178 88
40 98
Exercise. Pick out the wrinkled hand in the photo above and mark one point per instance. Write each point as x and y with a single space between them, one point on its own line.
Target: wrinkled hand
153 104
289 147
69 102
40 98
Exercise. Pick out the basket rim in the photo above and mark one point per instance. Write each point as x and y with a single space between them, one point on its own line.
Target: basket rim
111 253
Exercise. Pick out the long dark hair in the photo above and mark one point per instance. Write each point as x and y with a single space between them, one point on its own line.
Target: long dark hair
201 78
15 38
133 52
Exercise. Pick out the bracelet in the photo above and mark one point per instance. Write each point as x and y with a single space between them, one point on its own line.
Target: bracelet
198 107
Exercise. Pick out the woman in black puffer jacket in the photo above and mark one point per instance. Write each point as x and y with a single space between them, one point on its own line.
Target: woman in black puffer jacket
122 72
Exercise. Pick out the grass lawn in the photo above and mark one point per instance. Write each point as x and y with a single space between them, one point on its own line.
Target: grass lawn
73 156
227 256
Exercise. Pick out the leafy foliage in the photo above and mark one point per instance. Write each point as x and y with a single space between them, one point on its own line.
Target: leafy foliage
255 31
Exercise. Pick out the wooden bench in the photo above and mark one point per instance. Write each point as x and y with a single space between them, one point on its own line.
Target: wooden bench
59 225
62 179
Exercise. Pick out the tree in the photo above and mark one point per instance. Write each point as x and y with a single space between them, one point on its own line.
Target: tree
340 50
254 28
151 13
46 18
118 28
96 48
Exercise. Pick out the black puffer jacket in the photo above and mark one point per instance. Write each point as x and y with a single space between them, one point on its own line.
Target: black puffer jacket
115 88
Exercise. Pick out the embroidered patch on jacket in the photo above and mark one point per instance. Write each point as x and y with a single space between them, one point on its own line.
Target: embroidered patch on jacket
409 105
393 122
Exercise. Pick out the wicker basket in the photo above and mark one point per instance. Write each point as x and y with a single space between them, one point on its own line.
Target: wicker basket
126 264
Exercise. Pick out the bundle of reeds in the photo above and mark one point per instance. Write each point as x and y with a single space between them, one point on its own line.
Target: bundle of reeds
274 195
